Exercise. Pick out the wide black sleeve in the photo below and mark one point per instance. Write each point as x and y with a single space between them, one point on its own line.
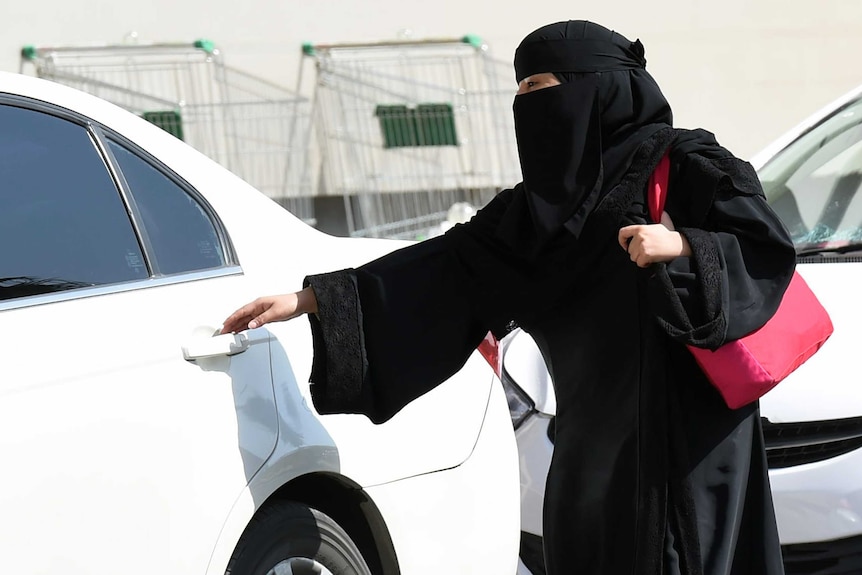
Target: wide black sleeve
393 329
742 255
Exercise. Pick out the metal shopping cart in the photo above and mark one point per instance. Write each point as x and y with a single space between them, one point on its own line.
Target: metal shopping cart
407 128
255 128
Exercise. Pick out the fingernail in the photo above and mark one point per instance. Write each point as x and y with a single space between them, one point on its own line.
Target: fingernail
252 324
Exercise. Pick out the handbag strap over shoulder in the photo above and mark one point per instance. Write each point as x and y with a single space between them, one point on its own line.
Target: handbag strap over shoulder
657 190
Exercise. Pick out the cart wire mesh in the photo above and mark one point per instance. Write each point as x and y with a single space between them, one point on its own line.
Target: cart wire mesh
405 129
254 127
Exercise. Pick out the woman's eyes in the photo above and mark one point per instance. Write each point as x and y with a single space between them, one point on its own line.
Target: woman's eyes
533 85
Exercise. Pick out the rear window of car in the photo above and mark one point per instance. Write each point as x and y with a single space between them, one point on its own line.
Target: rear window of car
180 231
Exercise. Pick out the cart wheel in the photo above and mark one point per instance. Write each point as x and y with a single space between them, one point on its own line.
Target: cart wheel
294 539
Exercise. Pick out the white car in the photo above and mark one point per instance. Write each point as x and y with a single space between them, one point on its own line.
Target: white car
812 421
135 441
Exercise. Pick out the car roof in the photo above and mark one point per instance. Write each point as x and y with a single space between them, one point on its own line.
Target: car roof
63 96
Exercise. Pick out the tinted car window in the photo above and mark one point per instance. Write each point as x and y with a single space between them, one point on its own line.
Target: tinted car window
814 184
182 235
63 224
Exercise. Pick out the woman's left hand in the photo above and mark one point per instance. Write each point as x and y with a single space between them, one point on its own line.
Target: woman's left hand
651 243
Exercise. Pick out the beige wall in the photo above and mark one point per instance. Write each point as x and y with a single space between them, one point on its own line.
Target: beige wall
745 69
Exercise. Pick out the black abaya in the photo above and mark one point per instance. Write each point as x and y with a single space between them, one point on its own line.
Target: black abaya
652 474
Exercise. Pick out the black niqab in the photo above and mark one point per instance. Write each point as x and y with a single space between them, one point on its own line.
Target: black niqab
576 140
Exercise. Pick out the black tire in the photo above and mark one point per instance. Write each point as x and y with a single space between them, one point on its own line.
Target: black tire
297 535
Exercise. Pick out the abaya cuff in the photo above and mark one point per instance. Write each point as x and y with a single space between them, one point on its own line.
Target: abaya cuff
339 367
686 294
708 264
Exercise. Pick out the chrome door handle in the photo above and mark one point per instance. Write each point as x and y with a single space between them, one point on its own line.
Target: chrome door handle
201 347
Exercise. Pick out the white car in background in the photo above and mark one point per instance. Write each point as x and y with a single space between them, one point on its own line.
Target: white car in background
135 441
812 421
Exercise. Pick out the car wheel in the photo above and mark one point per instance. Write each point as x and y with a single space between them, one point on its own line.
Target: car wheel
294 539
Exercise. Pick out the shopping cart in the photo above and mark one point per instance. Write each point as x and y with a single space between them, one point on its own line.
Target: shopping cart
255 128
407 128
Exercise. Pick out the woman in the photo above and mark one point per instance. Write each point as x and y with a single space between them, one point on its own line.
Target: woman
652 473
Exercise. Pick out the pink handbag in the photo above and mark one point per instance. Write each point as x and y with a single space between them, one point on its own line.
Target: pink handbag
745 369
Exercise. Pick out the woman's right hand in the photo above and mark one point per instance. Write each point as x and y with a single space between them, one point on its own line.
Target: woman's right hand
647 244
271 308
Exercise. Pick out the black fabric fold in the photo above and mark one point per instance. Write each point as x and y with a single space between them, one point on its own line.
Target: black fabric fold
559 145
717 203
379 339
340 365
686 305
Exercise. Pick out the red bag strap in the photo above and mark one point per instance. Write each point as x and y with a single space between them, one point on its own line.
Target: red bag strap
657 190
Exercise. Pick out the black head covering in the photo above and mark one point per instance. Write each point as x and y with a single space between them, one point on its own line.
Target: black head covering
575 140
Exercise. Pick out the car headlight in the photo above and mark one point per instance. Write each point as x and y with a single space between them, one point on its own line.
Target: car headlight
520 404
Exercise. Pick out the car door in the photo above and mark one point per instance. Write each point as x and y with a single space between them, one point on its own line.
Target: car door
126 430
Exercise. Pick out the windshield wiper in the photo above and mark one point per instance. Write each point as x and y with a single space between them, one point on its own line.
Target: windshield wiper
829 248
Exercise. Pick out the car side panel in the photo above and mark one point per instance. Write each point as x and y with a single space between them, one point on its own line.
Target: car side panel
464 520
105 427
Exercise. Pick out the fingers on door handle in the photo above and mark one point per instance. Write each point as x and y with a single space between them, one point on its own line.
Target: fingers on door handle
200 347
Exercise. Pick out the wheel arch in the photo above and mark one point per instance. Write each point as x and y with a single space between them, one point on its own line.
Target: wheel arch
349 506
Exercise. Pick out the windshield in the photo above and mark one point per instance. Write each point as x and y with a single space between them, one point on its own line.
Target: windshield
814 183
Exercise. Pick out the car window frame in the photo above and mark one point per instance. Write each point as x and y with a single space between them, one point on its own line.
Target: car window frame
101 135
109 135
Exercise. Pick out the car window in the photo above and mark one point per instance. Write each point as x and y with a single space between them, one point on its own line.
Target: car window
814 184
182 235
63 224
